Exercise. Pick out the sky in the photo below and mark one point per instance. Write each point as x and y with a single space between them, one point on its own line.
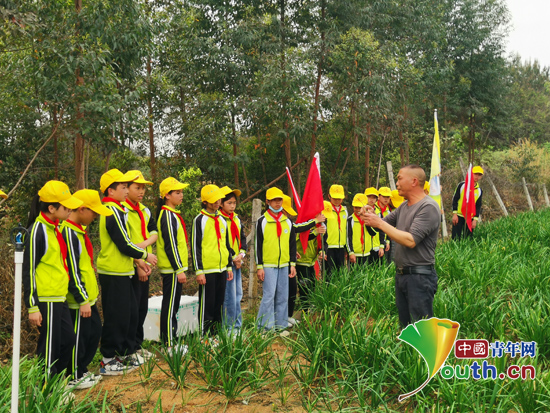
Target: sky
530 30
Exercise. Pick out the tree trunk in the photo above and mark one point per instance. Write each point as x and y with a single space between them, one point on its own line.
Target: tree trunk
150 122
380 157
367 156
318 81
79 140
235 163
55 151
288 159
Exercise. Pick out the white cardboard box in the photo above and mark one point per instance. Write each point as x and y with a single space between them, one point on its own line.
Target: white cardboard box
187 317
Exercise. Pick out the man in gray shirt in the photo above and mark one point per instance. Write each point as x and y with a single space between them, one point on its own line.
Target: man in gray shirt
414 227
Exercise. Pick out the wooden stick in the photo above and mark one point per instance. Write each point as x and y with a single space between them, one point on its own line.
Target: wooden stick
527 194
545 195
272 182
252 280
497 196
390 175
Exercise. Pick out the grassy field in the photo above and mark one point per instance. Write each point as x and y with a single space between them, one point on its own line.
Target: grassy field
345 355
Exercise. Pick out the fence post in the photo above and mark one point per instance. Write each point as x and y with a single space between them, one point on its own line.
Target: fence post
462 167
545 195
497 196
390 176
527 194
252 280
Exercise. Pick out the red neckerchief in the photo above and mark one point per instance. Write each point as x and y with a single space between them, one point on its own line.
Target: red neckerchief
107 199
382 210
216 219
362 229
141 217
60 240
181 220
276 218
337 213
88 243
234 228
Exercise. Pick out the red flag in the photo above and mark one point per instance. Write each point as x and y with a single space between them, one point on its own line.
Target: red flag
294 192
312 201
469 198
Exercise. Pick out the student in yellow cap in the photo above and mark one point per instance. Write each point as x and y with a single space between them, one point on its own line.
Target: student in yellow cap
378 240
3 194
275 252
173 257
212 257
46 276
298 229
427 188
336 235
115 267
395 200
83 288
359 235
233 289
383 208
460 229
143 233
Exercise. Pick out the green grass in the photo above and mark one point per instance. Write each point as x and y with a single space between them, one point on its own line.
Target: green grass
345 355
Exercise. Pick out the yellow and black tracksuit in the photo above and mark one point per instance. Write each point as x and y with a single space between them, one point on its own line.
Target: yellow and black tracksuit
336 238
305 271
173 258
293 282
378 240
46 284
359 239
83 279
461 229
141 227
212 256
115 266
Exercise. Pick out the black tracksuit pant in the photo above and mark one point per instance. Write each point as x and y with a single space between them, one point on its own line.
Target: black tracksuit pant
171 297
141 291
461 229
211 296
120 316
88 333
306 283
336 258
56 338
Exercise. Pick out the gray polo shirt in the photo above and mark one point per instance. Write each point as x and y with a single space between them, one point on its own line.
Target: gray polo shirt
422 221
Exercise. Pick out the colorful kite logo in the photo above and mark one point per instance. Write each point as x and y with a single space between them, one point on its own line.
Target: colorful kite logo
433 339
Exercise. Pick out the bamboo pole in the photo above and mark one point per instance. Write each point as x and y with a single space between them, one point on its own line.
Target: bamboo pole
527 194
497 196
545 195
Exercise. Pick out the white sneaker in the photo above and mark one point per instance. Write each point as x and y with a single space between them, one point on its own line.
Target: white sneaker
284 333
82 383
182 349
133 360
289 325
93 376
67 398
114 368
292 321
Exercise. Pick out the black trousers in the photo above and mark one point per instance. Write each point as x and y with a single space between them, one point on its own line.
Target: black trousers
336 258
211 296
374 259
88 333
306 283
414 296
292 290
57 338
461 229
141 291
171 297
120 316
362 260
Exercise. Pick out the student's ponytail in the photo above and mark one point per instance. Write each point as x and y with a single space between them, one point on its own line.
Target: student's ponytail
37 206
160 203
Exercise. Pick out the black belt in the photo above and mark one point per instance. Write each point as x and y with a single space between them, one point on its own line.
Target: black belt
416 269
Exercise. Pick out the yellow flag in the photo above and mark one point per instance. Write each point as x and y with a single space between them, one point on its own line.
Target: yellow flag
435 186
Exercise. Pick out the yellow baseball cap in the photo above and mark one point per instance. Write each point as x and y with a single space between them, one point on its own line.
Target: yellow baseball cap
226 191
57 191
140 179
477 170
3 194
359 200
170 184
426 186
328 207
90 199
114 175
212 193
337 192
287 205
273 193
396 199
371 191
384 191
